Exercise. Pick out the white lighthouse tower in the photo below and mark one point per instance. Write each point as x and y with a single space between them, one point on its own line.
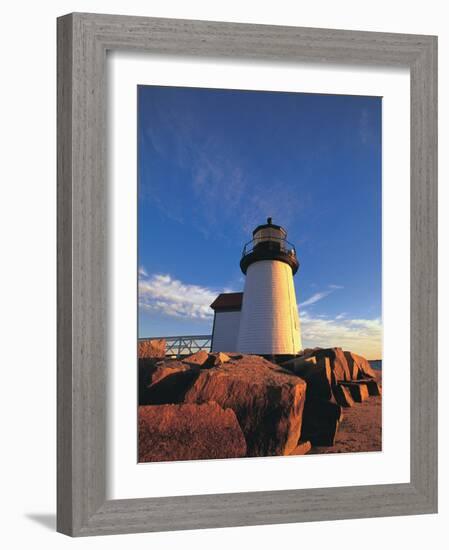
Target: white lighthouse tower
269 320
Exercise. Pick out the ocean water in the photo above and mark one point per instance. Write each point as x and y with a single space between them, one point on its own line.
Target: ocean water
376 365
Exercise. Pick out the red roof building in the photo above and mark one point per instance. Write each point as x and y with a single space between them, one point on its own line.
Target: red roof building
225 332
231 301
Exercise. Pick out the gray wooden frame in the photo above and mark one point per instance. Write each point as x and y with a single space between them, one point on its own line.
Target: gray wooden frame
83 40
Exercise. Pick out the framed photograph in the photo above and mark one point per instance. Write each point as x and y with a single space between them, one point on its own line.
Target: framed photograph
247 281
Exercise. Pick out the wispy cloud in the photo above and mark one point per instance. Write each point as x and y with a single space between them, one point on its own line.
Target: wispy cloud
164 294
222 184
362 336
320 295
315 298
225 189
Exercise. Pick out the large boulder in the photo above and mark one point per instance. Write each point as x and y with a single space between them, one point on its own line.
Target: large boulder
147 367
217 358
320 422
199 358
359 391
151 348
343 396
310 352
359 366
207 360
189 432
338 362
373 387
298 362
165 382
267 400
318 376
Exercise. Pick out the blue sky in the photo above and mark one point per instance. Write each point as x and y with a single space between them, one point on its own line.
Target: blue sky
213 164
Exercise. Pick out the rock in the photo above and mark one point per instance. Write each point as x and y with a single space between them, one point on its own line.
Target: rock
302 448
338 362
317 376
146 369
234 356
342 396
298 362
168 368
218 358
309 352
165 382
198 358
207 360
267 400
151 348
353 367
359 391
189 432
372 385
359 366
320 422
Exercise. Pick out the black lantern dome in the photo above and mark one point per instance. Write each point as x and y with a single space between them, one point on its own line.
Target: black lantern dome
269 243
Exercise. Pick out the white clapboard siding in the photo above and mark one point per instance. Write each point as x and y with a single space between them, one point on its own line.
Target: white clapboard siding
269 321
226 331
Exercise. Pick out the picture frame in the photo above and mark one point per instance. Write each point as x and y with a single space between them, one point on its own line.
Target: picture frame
83 41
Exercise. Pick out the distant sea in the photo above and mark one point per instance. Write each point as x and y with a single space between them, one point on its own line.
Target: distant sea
377 364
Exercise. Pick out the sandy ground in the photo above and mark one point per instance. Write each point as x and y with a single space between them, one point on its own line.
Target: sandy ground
360 429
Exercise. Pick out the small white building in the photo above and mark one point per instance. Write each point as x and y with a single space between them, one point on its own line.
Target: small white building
264 318
225 330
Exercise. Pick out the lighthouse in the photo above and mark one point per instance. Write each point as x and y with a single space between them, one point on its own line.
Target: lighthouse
269 320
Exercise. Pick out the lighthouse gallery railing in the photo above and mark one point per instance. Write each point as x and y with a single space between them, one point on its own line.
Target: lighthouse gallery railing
277 244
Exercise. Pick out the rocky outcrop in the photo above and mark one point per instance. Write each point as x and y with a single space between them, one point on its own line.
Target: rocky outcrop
359 391
189 432
338 362
279 409
199 358
373 387
297 363
267 400
343 396
317 375
217 359
207 360
335 379
151 348
320 422
359 366
165 382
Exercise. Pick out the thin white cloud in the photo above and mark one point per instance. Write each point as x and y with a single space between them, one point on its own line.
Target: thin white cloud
320 295
315 298
164 294
222 184
363 336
